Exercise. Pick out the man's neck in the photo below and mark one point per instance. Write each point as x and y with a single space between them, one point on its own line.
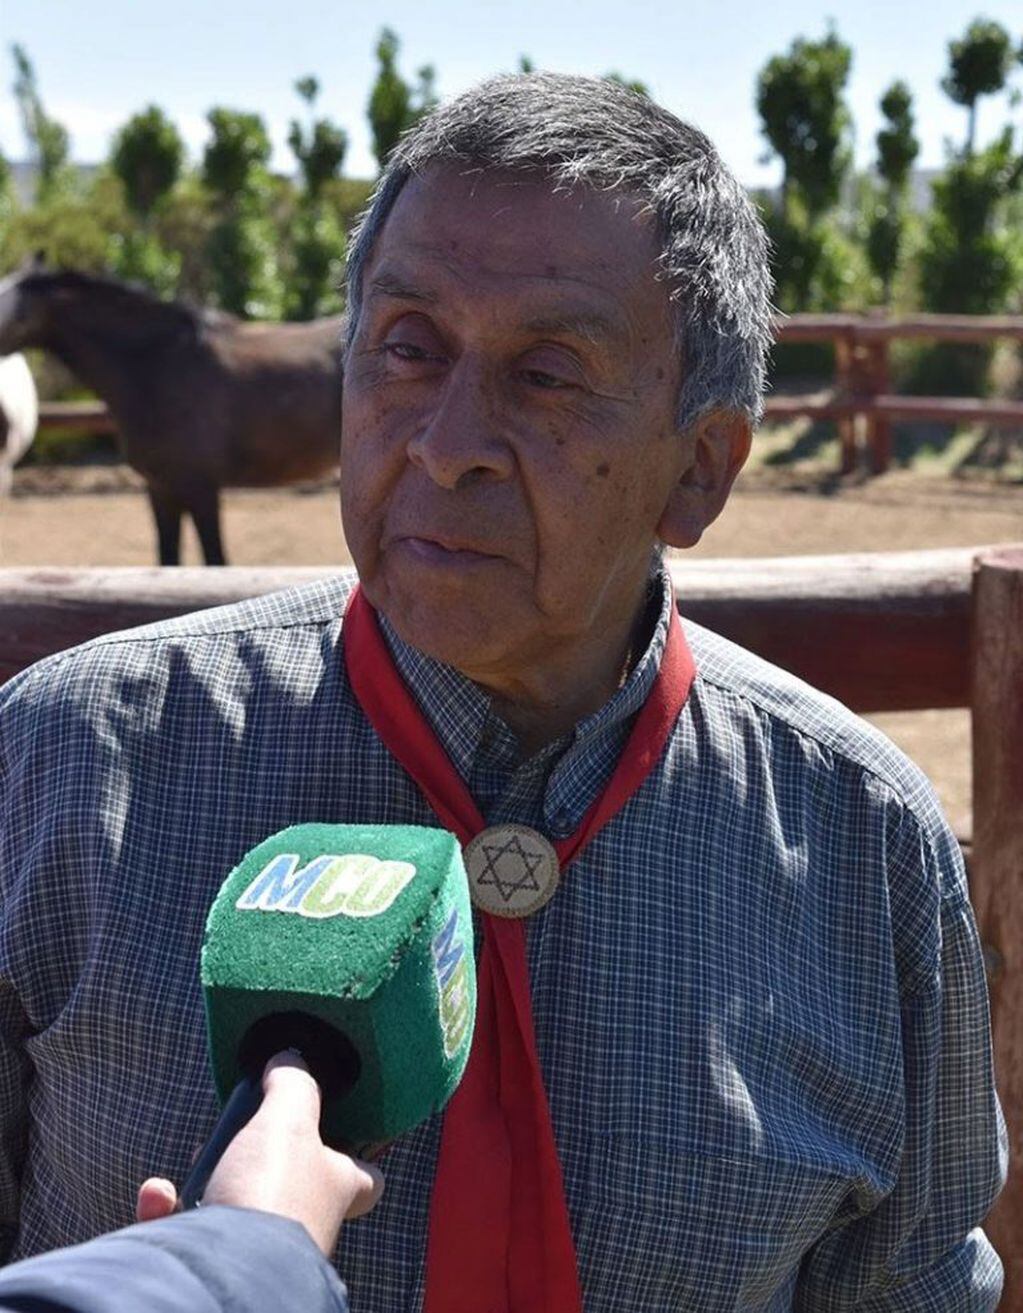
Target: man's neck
548 701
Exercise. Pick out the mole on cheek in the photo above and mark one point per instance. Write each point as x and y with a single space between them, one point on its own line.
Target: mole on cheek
603 470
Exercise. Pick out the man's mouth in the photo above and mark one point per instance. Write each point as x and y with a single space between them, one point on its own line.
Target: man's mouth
441 549
437 542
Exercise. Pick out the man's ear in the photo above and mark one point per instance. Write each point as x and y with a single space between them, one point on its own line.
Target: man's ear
719 443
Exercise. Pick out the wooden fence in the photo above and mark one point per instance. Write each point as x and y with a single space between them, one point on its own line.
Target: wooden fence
76 416
881 631
861 399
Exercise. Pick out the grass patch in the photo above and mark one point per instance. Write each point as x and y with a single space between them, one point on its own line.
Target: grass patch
803 447
937 449
800 445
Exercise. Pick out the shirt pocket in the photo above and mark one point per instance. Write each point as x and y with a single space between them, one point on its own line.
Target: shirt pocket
660 1228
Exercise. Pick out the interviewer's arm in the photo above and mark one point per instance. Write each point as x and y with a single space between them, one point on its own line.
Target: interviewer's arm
272 1211
215 1260
279 1164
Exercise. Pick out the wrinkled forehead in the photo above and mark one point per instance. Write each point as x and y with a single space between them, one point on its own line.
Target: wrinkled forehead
481 225
501 193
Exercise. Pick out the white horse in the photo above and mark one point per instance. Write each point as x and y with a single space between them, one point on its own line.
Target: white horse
19 414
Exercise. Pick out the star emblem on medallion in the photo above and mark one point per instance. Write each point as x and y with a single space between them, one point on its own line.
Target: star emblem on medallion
513 871
510 868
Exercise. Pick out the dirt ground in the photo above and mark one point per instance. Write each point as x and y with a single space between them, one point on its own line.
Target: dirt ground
99 516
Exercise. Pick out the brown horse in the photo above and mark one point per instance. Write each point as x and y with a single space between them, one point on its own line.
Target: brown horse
202 401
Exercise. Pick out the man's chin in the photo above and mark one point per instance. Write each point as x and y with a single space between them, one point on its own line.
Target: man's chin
468 629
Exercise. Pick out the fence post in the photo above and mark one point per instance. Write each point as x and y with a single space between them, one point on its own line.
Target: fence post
844 388
997 863
879 427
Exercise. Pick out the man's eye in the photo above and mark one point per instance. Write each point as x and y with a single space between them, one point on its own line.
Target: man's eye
407 351
540 379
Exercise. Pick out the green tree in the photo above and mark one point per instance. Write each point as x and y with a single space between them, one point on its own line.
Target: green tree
817 267
235 160
47 139
183 224
800 98
967 264
970 259
72 226
317 251
320 149
390 100
241 247
317 239
897 145
308 88
979 63
394 104
897 148
147 156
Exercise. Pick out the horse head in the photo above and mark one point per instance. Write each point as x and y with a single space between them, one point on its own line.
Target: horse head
24 306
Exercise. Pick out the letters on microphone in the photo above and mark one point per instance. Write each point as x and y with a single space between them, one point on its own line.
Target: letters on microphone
355 884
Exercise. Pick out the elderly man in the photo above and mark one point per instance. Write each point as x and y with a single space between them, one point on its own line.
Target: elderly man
732 1046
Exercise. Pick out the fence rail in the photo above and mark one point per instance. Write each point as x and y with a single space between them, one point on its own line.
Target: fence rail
862 400
78 416
882 631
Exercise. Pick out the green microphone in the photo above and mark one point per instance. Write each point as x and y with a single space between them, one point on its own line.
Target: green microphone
353 945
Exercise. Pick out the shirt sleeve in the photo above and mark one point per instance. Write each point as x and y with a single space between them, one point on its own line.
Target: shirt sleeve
15 1067
14 1075
214 1260
922 1248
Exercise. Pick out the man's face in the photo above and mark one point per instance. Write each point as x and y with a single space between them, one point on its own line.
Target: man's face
508 446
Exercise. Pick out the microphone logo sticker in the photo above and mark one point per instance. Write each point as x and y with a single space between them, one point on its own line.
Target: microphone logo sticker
452 984
355 884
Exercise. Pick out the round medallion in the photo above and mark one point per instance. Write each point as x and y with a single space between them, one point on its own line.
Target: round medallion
512 870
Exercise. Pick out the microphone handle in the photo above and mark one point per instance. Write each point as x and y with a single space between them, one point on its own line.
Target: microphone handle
240 1108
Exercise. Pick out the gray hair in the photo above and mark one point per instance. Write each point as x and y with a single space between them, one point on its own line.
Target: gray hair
594 132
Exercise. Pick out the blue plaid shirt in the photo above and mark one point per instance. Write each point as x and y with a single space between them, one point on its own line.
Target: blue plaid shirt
759 1000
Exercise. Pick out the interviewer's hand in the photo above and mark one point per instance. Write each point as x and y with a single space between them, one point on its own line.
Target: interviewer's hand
279 1164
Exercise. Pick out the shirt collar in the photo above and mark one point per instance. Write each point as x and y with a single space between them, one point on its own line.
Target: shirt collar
460 714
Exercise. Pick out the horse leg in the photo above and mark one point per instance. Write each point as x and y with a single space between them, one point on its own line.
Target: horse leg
204 508
167 511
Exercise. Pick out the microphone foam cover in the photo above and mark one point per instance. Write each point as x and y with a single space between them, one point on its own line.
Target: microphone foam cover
367 930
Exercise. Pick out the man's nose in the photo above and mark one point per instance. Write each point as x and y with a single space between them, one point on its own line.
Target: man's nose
463 437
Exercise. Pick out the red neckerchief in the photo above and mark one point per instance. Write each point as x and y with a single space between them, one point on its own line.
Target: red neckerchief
499 1239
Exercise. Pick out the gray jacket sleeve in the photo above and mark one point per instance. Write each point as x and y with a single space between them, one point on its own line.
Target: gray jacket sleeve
214 1260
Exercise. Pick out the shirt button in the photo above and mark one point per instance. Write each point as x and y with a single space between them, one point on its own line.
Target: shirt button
560 824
